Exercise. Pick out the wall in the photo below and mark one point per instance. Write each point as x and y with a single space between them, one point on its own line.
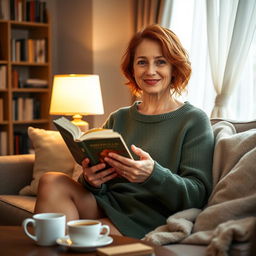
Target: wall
89 36
112 29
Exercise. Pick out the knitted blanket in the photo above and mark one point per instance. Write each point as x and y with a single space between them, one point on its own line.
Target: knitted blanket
230 214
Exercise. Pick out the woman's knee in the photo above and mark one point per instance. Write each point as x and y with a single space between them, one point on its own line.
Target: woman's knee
52 180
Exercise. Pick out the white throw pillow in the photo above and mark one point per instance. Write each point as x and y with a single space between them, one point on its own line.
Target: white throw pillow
51 155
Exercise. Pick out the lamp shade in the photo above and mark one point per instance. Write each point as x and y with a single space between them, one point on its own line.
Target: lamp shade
76 94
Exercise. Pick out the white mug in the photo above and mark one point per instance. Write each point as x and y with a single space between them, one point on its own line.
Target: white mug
48 227
86 232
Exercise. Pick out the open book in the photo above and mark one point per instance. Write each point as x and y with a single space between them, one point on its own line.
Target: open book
94 144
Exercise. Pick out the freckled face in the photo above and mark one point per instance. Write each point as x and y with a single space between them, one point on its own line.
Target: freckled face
152 71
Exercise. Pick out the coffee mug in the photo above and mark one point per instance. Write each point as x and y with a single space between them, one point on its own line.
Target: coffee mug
86 232
48 227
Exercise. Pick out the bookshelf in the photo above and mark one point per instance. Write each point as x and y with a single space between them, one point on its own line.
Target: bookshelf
25 77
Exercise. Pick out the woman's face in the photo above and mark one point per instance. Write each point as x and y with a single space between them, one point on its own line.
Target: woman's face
152 71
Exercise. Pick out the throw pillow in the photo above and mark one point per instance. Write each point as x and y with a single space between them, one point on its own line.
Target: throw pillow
51 155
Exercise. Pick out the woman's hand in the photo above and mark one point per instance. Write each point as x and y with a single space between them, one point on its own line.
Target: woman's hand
134 171
95 175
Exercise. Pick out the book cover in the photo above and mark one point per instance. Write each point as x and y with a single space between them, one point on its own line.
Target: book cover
91 146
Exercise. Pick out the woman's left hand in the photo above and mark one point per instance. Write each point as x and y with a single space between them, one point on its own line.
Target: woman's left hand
133 170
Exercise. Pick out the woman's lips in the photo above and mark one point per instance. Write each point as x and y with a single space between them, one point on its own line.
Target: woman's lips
151 81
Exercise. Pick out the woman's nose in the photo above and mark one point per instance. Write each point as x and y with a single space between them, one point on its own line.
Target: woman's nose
151 70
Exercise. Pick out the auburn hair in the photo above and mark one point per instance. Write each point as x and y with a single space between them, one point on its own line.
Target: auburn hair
172 50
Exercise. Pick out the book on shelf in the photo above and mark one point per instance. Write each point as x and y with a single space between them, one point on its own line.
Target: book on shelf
4 10
21 143
3 77
1 109
3 143
25 109
95 143
35 83
15 79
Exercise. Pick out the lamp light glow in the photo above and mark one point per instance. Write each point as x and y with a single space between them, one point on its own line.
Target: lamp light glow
76 95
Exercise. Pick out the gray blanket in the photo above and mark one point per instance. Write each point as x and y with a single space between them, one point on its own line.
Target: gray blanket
230 213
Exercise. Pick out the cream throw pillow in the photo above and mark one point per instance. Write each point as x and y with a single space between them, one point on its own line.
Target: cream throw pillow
51 155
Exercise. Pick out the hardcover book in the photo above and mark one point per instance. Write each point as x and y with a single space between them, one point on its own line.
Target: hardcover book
95 143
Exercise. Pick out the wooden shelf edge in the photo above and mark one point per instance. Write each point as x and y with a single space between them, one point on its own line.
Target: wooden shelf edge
33 90
35 121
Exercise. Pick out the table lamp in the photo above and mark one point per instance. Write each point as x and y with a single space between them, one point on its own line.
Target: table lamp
76 95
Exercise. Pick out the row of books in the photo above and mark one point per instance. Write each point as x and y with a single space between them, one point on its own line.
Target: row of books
3 143
23 10
26 109
3 77
22 144
17 82
31 50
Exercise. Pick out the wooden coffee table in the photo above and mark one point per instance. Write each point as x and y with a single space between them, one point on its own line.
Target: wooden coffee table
13 241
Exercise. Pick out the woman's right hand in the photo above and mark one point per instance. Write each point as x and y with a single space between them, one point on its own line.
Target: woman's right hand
95 175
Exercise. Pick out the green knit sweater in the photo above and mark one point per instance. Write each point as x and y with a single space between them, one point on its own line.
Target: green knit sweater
181 144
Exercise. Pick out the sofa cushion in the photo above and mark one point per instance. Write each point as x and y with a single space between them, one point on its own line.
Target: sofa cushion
51 155
15 208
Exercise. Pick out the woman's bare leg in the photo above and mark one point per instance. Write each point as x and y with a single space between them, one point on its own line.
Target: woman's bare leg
57 192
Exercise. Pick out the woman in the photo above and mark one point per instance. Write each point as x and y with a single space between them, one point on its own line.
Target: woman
171 141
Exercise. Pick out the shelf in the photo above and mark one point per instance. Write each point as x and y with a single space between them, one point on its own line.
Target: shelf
25 63
31 90
27 24
36 121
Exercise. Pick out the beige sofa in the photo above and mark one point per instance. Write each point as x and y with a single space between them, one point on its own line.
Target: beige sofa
16 172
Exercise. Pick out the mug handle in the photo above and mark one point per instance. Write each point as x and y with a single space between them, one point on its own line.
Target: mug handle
25 224
106 229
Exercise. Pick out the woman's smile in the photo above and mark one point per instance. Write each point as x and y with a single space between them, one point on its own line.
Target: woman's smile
151 81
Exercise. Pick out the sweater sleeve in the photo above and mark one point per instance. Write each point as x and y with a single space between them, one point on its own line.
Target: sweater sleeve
191 186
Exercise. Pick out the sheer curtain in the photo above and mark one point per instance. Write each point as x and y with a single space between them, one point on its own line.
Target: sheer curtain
230 26
233 57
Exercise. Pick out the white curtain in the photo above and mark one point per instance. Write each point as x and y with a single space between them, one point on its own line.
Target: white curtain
230 28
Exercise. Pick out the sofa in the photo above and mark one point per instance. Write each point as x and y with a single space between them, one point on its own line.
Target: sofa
17 172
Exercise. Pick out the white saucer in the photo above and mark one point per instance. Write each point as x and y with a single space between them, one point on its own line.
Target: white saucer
102 241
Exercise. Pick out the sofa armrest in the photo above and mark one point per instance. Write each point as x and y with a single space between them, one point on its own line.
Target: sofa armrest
16 172
240 126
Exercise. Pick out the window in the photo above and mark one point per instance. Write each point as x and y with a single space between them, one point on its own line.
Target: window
190 25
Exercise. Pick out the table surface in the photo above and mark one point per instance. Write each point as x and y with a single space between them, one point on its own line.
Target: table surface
13 241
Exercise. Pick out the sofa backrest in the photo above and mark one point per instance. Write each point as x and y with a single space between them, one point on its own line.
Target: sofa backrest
240 126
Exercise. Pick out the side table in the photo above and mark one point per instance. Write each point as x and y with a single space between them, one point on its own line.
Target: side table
14 242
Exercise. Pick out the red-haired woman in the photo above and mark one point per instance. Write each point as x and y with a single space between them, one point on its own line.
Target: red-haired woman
171 141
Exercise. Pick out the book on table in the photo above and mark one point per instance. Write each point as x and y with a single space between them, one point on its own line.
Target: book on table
95 143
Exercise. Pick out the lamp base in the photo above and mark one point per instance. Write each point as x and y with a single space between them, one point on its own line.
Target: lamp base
83 125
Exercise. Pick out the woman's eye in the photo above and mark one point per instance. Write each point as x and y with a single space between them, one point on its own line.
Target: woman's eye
161 62
141 62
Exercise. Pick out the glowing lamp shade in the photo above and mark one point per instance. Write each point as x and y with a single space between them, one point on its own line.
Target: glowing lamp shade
76 95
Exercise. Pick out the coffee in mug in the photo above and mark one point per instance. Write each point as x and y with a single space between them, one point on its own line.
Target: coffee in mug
48 227
86 232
